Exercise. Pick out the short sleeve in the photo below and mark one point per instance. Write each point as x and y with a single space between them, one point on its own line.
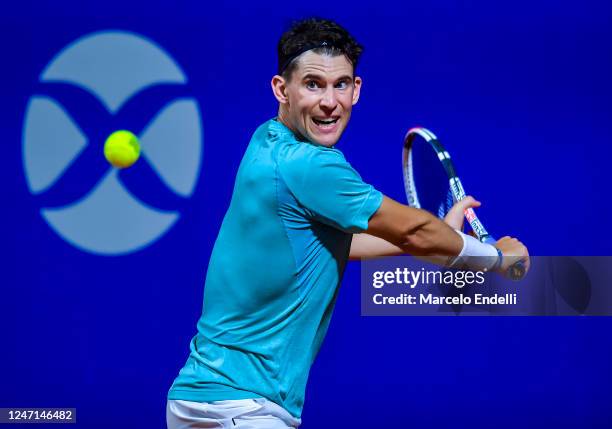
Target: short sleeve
328 188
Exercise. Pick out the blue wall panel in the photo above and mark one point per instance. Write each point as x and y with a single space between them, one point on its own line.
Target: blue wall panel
519 92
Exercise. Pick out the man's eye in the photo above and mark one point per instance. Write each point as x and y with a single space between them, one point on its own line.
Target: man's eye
311 84
342 85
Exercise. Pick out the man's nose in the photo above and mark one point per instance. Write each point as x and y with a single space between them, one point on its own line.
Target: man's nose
329 100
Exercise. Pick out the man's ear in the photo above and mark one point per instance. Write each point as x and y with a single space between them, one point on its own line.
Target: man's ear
279 88
357 89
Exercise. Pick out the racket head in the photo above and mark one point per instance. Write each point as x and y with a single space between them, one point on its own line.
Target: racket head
426 178
430 178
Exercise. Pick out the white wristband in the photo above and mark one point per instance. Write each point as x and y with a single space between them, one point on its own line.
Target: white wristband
475 255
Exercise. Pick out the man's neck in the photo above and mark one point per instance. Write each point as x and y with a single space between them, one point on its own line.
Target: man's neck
282 118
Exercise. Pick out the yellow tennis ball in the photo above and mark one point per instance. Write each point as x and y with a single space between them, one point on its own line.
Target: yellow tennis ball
122 149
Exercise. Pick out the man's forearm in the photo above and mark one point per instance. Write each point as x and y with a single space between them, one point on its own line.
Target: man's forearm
366 246
414 231
423 235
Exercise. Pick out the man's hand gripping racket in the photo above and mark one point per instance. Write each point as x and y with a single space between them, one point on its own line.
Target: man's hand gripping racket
515 259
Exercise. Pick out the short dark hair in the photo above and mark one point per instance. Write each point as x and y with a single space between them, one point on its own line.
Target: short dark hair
322 36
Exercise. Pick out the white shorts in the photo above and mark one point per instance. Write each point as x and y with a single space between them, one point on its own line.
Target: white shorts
239 413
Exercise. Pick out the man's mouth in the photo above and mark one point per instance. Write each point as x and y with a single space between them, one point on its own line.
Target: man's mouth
328 122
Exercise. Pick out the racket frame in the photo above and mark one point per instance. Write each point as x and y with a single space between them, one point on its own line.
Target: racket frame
456 187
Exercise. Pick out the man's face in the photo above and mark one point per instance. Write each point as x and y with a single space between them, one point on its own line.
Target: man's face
320 97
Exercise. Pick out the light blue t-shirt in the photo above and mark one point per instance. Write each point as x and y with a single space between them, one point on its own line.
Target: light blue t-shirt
275 271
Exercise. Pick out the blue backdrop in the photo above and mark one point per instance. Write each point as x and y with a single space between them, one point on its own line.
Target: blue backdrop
526 84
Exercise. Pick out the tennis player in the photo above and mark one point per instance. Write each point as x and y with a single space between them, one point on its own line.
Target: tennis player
298 212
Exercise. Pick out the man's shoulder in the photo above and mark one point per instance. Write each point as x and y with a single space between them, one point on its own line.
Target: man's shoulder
296 151
292 154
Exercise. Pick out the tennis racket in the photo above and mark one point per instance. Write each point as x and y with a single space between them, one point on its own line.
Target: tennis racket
422 156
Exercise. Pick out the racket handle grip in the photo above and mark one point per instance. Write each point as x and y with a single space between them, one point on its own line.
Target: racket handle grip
517 270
